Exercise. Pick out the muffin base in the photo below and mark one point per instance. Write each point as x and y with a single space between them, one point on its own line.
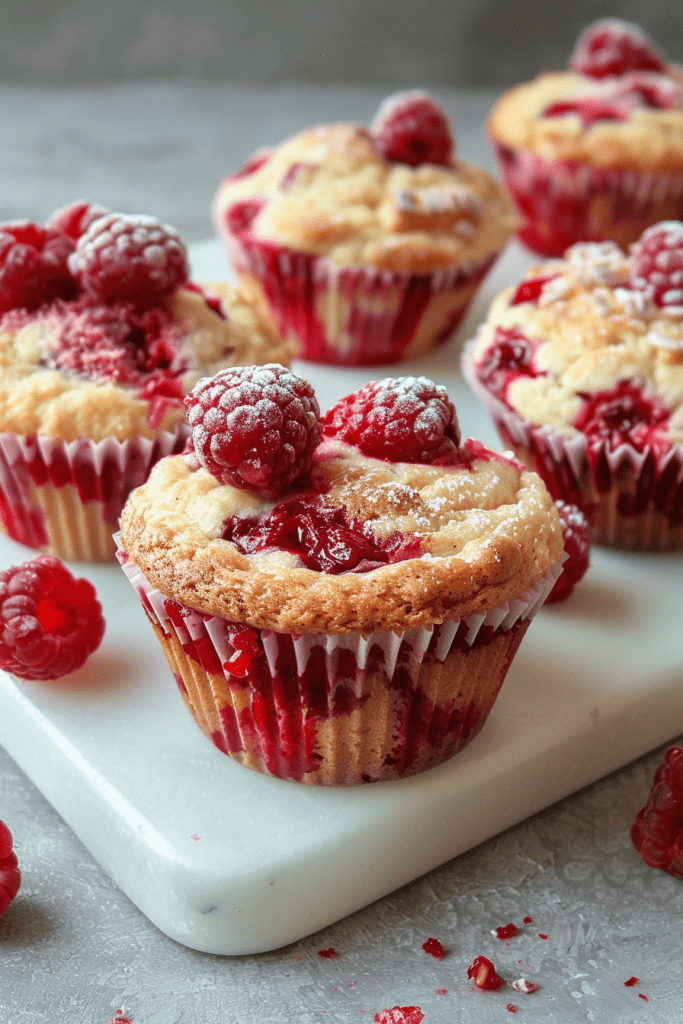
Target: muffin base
339 710
562 202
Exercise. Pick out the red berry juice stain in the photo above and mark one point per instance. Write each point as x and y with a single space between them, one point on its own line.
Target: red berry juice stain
441 991
527 920
434 948
327 954
631 981
510 1008
506 931
641 996
195 836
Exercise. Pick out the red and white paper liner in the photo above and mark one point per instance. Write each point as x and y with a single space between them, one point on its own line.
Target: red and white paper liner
355 316
345 709
633 499
66 498
563 202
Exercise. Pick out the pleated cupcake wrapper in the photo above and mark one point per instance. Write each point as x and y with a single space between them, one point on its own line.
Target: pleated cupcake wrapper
66 498
633 498
353 316
563 202
199 651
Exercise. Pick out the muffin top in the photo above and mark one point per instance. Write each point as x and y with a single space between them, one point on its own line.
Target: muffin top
593 343
78 362
392 197
357 542
619 105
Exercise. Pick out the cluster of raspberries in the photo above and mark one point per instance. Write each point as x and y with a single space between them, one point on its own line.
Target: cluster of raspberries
87 249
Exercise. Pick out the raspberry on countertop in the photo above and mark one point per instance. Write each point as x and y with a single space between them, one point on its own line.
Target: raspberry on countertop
657 832
10 875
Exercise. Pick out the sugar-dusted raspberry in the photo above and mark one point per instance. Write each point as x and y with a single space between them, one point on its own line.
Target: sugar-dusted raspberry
657 832
575 533
10 875
411 128
510 355
33 265
657 264
400 1015
624 414
75 219
483 974
400 419
524 987
614 47
50 622
132 258
255 427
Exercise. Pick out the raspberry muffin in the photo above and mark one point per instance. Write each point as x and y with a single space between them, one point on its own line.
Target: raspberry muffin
339 599
594 152
581 367
368 244
101 336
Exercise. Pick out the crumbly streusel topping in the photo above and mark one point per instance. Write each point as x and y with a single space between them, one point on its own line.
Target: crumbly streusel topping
648 138
487 532
590 330
330 192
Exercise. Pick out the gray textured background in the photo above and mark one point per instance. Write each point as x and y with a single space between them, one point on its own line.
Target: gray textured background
432 43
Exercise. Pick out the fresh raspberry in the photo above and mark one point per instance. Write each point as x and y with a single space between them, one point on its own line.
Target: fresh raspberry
33 265
400 419
10 875
255 427
657 832
400 1015
135 259
411 128
75 219
575 534
657 264
484 975
510 355
50 623
614 47
623 414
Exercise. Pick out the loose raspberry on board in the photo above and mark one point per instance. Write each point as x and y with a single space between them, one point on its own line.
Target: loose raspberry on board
657 832
255 427
33 265
657 264
131 258
10 875
614 47
576 536
50 622
75 219
411 128
400 419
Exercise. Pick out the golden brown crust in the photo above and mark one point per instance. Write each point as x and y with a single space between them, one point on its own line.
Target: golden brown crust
488 533
35 399
330 192
649 139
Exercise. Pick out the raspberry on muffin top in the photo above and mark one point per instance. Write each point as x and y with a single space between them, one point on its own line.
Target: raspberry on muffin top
101 331
593 342
359 539
393 196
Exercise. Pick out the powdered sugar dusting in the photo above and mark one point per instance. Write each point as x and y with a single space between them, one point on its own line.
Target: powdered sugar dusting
601 263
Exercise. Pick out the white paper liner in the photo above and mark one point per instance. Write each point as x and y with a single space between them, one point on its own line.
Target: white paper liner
66 498
196 625
650 529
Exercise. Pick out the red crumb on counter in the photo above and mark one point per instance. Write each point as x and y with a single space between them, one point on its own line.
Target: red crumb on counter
400 1015
327 954
510 1008
434 948
524 987
631 981
484 975
542 936
506 931
527 920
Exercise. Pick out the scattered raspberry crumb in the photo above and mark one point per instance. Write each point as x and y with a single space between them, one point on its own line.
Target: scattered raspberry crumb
411 128
524 986
506 931
336 988
352 984
400 419
10 875
434 948
641 996
400 1015
542 936
254 427
527 920
119 1018
657 832
631 981
195 836
327 954
50 622
484 975
441 991
510 1008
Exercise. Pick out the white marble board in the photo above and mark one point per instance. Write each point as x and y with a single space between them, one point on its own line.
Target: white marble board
227 861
